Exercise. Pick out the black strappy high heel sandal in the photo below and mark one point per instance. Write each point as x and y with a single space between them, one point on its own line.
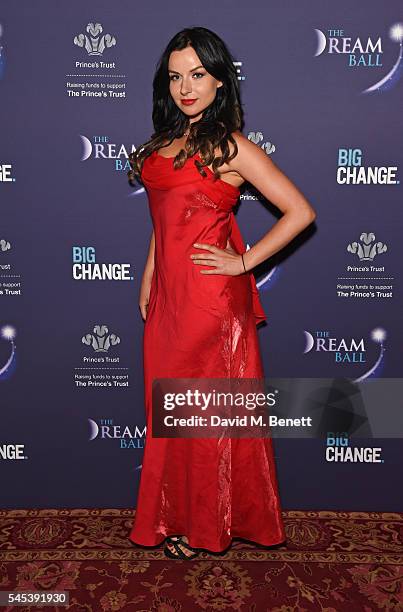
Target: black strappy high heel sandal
177 543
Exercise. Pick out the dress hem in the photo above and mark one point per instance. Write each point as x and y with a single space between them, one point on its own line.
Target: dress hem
208 549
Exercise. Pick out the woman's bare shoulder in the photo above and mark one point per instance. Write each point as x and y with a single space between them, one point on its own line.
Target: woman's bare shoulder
241 141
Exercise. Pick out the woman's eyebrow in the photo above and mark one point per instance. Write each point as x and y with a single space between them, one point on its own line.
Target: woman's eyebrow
169 70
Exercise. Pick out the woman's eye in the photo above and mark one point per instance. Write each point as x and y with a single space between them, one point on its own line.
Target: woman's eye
172 77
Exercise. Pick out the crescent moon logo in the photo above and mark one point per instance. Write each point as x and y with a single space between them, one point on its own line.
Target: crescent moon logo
94 429
321 42
87 147
309 342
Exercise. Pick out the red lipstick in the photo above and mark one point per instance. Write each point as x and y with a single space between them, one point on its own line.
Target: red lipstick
188 102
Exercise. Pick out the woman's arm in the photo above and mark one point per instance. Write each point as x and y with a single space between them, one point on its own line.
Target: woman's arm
145 287
149 267
253 164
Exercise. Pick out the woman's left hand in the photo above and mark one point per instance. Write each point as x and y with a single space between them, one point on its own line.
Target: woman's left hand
225 261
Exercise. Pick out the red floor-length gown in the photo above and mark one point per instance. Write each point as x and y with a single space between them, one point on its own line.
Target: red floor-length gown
201 326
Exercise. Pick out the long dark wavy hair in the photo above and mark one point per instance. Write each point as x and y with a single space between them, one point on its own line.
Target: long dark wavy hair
223 116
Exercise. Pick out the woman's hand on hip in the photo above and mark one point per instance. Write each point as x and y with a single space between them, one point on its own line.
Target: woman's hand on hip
224 261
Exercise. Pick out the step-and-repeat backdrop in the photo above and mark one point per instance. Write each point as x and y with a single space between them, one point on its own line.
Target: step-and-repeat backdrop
322 87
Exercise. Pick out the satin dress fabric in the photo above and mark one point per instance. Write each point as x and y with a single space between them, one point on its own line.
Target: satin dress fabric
201 326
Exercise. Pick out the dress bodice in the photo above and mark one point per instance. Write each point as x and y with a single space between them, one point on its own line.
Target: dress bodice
159 173
177 198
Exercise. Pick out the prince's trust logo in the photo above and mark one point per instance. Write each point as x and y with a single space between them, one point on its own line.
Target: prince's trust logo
257 138
101 366
100 340
269 148
92 77
363 279
367 249
4 246
10 281
93 42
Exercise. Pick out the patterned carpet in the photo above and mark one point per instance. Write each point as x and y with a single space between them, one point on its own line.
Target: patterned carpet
332 561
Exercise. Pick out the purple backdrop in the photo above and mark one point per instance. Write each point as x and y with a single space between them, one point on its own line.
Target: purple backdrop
321 84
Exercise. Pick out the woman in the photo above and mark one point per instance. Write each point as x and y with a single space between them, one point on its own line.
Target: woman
199 298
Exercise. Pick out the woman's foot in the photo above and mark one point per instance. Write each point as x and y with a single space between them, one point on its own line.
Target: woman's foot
179 548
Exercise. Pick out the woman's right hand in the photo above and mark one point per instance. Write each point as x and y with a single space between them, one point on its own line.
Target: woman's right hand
144 297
